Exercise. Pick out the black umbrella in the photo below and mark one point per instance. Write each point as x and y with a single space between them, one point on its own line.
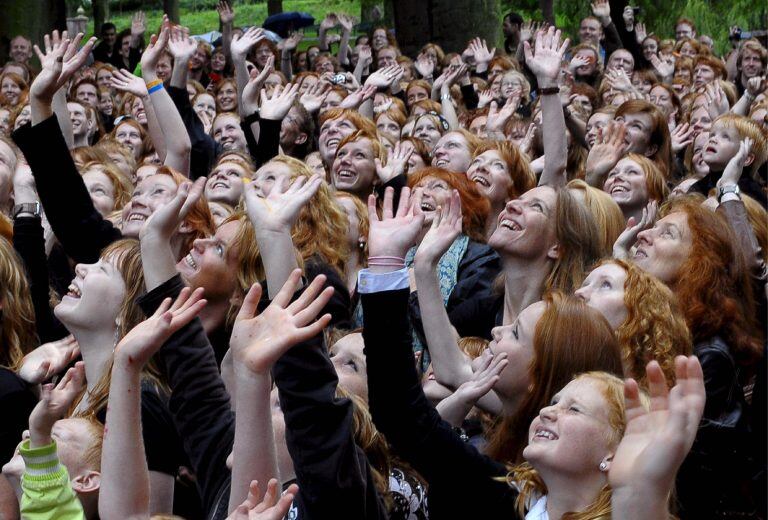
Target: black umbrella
285 23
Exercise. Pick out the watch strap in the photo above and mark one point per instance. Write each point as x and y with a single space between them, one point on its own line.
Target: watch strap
27 207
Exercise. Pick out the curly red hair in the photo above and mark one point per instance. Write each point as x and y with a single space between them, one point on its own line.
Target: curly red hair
713 284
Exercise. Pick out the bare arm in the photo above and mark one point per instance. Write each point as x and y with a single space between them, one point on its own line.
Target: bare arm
546 66
125 483
226 18
240 48
178 145
346 30
59 106
181 47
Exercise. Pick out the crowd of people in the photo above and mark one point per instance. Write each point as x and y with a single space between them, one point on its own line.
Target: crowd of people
249 281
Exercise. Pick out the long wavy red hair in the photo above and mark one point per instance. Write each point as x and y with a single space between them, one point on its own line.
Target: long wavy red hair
713 284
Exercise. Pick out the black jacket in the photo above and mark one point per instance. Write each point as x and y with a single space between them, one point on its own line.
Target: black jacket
713 480
80 229
462 481
477 271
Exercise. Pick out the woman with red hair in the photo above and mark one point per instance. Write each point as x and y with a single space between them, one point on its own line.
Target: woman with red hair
693 250
469 266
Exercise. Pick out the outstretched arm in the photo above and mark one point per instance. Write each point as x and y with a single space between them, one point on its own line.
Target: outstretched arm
177 141
125 488
545 64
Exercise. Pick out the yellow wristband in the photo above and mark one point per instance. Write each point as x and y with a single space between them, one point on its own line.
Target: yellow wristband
154 83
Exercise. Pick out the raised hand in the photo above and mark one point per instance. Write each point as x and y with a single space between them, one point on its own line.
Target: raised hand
665 70
365 56
289 44
481 52
252 91
166 219
716 99
276 107
358 97
180 45
756 86
242 44
601 10
578 61
628 237
138 24
48 360
608 149
146 338
154 50
124 81
445 228
545 61
272 507
54 402
397 163
735 166
681 137
394 233
619 80
424 66
527 141
313 97
258 341
346 22
640 33
279 210
59 62
454 72
528 29
383 78
329 22
485 97
487 374
656 440
226 13
498 117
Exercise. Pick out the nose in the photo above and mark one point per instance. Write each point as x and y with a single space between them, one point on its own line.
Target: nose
513 206
582 293
25 435
548 413
81 269
645 237
199 245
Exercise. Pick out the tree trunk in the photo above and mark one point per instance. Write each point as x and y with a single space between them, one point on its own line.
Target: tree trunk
100 15
274 7
449 23
31 19
548 10
171 8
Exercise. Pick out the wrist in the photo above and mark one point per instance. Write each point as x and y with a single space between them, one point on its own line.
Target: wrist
149 75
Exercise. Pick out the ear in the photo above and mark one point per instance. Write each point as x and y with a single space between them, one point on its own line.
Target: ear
554 252
301 138
750 159
87 482
652 149
185 227
605 464
236 300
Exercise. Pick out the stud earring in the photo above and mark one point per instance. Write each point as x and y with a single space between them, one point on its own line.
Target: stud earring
603 466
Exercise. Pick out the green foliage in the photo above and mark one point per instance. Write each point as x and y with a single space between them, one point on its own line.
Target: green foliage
712 17
201 16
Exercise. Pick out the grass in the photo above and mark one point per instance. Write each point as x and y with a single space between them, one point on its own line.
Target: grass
203 20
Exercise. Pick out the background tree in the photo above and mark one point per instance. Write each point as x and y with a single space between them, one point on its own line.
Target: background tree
100 14
274 7
32 19
449 23
171 7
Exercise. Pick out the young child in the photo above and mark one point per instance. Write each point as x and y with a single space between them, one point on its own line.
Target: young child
725 136
56 472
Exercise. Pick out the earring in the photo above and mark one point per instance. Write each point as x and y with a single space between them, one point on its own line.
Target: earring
361 244
603 466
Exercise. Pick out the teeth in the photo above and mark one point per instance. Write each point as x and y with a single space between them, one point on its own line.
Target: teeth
190 261
426 206
510 225
619 189
333 142
346 173
74 292
441 162
544 434
479 179
219 184
640 254
136 217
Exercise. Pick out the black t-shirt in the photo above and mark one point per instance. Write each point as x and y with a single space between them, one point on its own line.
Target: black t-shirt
162 444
